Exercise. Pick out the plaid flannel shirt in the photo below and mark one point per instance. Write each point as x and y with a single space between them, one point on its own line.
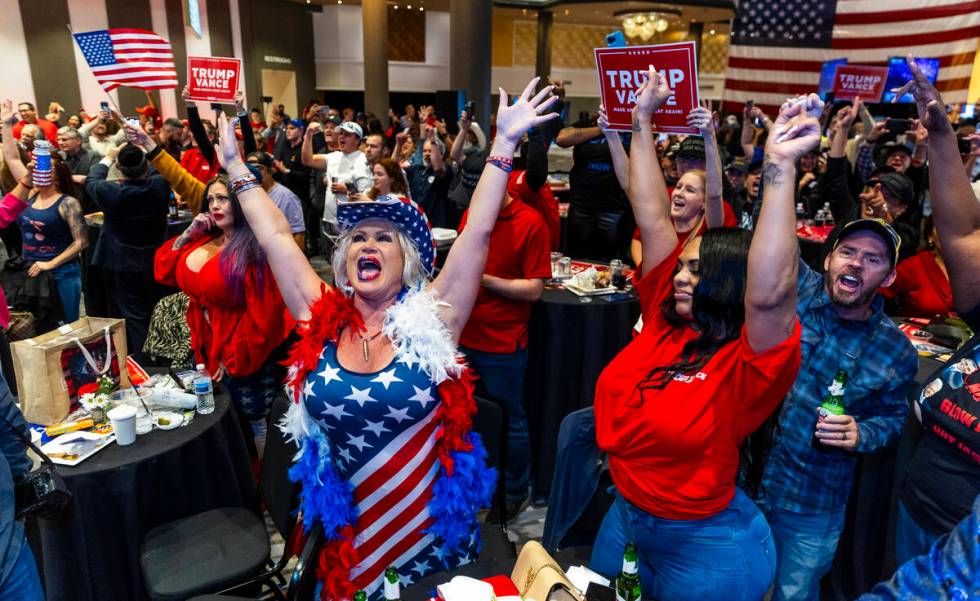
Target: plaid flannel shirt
880 362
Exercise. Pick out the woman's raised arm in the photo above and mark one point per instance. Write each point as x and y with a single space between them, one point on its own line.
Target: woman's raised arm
459 281
647 188
298 283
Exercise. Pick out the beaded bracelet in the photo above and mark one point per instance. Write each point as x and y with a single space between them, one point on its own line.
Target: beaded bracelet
243 183
503 163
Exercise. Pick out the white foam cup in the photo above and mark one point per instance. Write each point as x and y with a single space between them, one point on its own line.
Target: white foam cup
123 419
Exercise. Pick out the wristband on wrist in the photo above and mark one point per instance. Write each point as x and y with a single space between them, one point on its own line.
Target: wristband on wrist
243 183
503 163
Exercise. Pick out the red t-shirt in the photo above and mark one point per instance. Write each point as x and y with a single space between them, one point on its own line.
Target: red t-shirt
921 287
50 129
194 162
673 452
519 249
543 201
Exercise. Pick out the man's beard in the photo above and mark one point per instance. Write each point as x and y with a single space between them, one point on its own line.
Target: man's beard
862 299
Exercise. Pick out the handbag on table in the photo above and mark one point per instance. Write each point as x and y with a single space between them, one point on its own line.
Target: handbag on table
538 576
51 368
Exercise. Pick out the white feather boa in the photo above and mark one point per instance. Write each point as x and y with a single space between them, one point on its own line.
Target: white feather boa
419 337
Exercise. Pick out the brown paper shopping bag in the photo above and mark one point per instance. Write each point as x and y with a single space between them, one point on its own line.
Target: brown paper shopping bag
51 368
537 576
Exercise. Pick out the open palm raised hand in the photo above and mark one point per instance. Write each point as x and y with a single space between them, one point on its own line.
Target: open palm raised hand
514 120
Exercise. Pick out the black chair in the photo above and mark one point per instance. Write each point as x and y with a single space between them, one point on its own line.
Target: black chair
302 584
490 422
228 548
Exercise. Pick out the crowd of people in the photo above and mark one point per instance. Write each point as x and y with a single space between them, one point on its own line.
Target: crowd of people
728 476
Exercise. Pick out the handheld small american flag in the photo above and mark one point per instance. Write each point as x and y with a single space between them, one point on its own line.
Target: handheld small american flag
778 47
128 57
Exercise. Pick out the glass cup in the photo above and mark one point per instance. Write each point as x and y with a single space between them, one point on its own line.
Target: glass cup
565 266
555 266
617 272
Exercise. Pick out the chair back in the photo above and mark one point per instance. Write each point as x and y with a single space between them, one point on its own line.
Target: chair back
490 422
302 584
281 496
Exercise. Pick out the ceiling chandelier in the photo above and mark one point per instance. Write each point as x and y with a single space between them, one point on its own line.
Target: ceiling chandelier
645 25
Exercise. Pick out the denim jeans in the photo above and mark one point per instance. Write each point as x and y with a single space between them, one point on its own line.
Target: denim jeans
502 376
911 540
728 557
68 279
805 548
23 583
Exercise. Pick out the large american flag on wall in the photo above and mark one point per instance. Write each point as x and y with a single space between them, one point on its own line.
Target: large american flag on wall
778 47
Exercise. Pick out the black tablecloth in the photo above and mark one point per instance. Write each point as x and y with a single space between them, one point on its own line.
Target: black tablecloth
93 286
569 344
123 492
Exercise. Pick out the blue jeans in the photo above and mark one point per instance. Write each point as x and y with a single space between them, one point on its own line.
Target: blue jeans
23 583
911 540
805 548
728 557
68 279
502 375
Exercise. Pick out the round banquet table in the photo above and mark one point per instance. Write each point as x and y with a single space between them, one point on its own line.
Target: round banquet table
122 492
569 344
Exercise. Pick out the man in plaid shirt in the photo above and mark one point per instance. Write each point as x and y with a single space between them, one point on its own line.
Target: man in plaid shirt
811 465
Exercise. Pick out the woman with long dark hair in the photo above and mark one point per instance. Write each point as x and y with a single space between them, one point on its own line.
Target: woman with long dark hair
720 349
52 228
237 317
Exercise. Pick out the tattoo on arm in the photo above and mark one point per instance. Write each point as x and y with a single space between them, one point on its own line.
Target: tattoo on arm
771 173
636 125
71 212
180 241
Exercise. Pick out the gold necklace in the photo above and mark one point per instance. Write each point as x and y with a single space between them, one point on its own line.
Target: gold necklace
364 344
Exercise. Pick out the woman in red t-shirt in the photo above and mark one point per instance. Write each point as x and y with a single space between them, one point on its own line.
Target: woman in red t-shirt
921 288
237 317
720 349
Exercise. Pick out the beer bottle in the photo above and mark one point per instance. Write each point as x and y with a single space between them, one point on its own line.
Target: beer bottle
628 581
833 403
392 592
360 596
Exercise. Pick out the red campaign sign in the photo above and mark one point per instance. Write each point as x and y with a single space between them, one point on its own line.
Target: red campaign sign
623 70
213 79
852 81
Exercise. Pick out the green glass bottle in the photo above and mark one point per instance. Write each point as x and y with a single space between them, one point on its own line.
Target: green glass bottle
392 592
628 581
833 403
360 596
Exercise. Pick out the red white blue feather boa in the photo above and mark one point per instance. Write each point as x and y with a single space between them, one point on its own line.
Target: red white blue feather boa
464 485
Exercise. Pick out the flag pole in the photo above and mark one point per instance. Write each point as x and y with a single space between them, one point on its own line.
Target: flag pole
111 100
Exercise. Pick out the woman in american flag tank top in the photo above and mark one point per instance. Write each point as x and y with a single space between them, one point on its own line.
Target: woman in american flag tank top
383 401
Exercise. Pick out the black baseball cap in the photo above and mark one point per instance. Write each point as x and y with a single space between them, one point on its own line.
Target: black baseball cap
693 147
741 165
878 226
886 150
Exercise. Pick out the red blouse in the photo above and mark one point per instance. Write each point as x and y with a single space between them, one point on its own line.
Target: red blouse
241 338
921 287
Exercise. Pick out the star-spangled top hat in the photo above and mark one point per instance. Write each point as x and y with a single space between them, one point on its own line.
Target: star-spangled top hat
405 214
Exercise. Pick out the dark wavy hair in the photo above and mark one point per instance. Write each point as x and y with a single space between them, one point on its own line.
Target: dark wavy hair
718 307
399 185
242 253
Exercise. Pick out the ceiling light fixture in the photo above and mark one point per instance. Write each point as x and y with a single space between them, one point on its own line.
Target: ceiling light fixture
645 25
